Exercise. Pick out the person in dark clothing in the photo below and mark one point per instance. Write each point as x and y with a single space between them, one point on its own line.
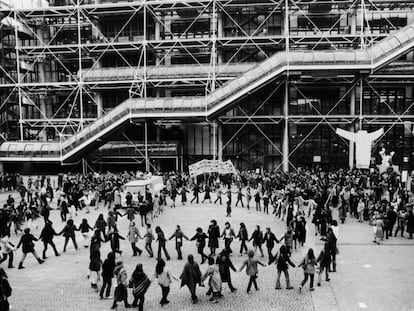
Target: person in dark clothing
96 240
207 195
324 260
46 236
100 224
114 238
69 233
200 238
257 237
270 239
161 243
26 241
282 260
213 236
196 191
225 264
191 276
108 267
243 237
392 219
139 282
94 267
5 291
178 235
410 224
331 240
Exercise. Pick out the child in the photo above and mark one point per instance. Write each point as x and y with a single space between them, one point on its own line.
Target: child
251 269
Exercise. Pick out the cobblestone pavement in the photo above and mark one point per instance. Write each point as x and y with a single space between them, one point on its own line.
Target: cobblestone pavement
369 277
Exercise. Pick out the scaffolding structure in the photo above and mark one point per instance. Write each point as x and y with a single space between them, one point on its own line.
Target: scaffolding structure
73 72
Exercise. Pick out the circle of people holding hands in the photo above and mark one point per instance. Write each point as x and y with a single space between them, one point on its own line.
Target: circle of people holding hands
381 200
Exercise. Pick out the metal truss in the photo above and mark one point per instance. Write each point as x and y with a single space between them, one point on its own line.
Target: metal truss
234 32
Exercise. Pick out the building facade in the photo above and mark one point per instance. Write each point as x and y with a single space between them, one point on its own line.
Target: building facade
160 84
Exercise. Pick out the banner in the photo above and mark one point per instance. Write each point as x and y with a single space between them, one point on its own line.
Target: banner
211 166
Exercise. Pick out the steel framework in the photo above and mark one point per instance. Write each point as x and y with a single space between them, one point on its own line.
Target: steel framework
61 59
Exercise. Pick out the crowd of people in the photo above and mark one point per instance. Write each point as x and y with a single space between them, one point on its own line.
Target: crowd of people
381 200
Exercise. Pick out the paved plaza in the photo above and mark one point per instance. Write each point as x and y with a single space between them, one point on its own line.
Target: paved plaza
369 277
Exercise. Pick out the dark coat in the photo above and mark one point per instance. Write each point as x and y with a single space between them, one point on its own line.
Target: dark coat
225 265
27 243
191 275
213 236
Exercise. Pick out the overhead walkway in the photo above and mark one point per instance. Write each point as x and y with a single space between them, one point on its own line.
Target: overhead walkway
343 61
164 72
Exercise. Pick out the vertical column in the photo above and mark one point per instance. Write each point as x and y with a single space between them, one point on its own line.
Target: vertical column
147 164
19 88
285 139
42 79
214 134
96 35
351 155
80 77
219 141
219 34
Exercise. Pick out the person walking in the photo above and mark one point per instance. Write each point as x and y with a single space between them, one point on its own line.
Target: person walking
308 264
133 236
191 276
200 238
46 236
69 233
178 235
84 228
164 277
7 249
410 224
282 260
227 235
324 260
100 224
214 279
26 241
213 236
225 264
219 196
207 194
114 238
140 283
270 239
121 292
251 264
331 240
149 237
108 268
240 196
161 243
243 237
5 291
196 191
257 237
94 268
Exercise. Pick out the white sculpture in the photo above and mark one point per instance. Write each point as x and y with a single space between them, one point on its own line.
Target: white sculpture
363 141
386 159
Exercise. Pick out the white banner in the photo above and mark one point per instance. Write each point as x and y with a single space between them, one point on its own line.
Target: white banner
211 166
